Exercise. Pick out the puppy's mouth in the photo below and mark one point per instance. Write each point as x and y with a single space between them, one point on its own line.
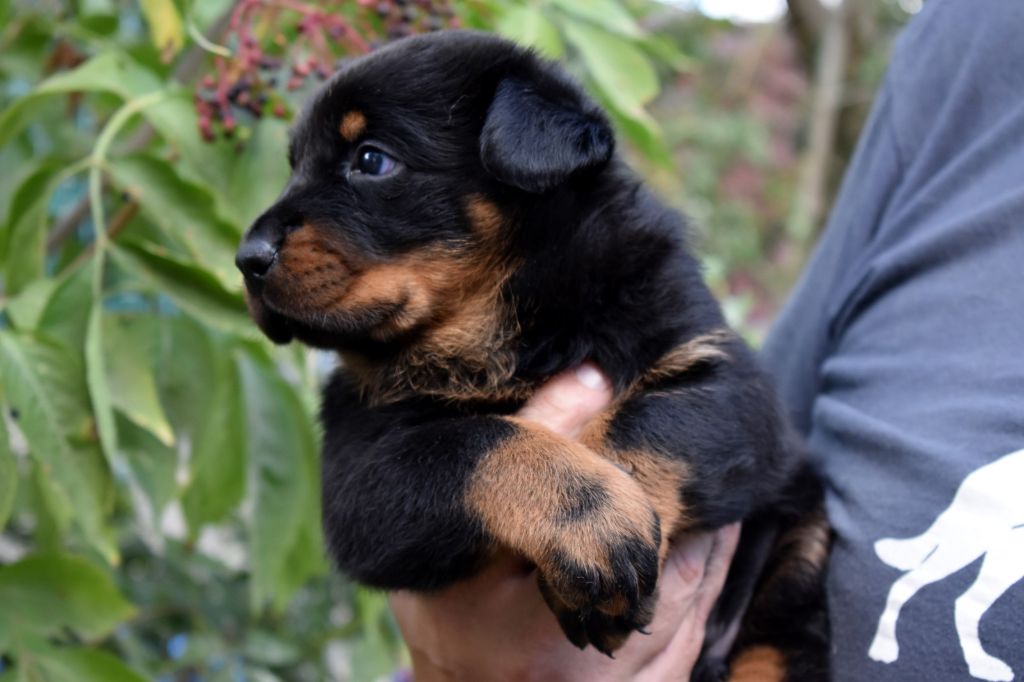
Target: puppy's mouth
284 316
276 326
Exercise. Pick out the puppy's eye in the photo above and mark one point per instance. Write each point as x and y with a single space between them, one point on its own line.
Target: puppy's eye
372 161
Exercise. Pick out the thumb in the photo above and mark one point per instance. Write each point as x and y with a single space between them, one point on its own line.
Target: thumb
567 402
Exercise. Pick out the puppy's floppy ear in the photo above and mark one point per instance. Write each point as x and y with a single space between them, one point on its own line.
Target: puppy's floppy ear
534 143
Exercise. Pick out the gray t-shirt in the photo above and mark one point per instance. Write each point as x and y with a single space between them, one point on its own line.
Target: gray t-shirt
901 359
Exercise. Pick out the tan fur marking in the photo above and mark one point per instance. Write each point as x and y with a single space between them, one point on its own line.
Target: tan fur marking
660 477
759 664
486 218
456 296
452 295
686 356
353 124
804 550
311 272
516 491
811 540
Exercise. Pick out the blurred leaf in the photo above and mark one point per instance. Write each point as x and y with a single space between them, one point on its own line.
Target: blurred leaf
43 383
622 72
259 175
165 26
527 25
208 163
183 362
129 348
44 593
65 315
182 209
27 306
112 72
217 465
8 471
51 508
192 287
91 7
25 230
609 14
96 380
48 663
153 463
666 51
269 649
374 655
644 132
16 160
282 456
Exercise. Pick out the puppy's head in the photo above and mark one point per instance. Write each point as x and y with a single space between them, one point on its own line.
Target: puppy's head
407 169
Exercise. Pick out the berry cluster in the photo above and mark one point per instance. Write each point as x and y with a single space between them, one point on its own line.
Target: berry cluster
277 46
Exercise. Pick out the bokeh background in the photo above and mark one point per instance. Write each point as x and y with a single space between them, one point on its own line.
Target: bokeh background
158 459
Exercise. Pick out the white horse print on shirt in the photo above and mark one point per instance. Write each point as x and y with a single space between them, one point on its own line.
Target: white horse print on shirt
986 518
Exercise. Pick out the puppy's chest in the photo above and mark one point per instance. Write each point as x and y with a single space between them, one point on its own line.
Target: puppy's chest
484 372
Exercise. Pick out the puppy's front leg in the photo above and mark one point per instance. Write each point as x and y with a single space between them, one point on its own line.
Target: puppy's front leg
584 521
416 496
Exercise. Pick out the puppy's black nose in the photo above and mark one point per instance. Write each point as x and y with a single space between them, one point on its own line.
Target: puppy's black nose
255 256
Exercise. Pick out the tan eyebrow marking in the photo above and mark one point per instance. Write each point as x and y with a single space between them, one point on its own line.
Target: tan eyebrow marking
352 125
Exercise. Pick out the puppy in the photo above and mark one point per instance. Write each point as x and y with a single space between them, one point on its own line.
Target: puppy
458 227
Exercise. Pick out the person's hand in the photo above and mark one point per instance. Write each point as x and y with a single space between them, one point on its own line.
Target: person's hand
496 626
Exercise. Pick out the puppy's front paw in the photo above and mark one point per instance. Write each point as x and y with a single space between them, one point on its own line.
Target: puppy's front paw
599 579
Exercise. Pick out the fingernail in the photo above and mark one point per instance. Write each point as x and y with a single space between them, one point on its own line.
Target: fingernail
591 377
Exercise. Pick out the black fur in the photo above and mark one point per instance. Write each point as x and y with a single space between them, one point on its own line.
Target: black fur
597 269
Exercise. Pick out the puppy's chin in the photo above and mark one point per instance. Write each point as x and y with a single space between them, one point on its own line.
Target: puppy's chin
352 330
274 325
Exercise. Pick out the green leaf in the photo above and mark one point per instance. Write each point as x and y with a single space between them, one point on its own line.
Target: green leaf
51 509
643 132
45 384
609 14
209 164
165 26
621 70
112 72
60 664
285 551
375 652
269 648
153 463
101 7
131 344
25 228
218 459
8 471
261 172
65 315
527 25
44 593
190 286
26 307
184 210
184 360
96 379
17 160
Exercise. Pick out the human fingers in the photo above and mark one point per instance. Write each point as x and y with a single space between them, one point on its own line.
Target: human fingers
693 579
568 401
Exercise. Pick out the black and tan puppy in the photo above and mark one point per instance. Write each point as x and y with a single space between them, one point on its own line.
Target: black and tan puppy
458 227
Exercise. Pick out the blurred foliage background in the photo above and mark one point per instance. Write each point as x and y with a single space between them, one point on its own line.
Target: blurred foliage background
158 459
